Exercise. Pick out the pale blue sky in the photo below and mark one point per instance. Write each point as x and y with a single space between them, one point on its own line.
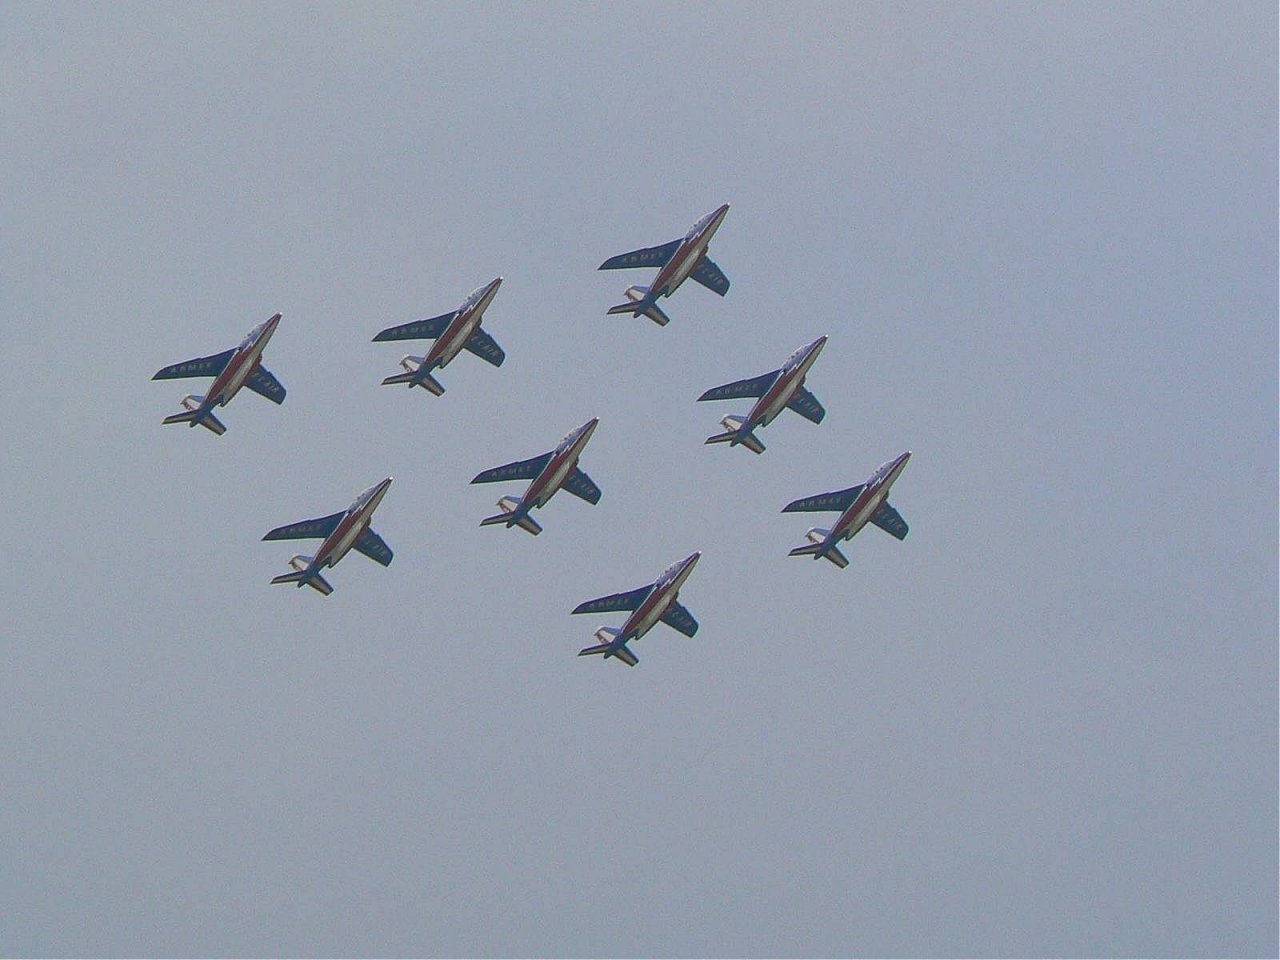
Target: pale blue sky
1042 239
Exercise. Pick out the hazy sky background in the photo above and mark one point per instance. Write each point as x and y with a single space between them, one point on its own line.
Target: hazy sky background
1042 239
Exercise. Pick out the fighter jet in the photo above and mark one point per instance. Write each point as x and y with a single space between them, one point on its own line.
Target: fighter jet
452 332
232 369
648 605
677 261
777 390
550 472
341 531
866 503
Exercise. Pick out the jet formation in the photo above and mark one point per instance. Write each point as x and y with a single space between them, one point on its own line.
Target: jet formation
558 469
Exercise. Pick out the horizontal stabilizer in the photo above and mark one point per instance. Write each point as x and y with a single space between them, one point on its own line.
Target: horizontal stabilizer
815 550
414 376
301 578
609 650
735 435
193 416
509 507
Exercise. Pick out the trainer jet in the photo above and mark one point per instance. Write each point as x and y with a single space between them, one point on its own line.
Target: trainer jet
866 503
452 332
232 369
648 605
341 531
677 260
549 472
777 390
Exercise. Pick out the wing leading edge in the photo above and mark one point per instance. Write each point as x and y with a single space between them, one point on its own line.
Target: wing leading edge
615 602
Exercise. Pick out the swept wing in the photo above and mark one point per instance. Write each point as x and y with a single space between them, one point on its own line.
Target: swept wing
751 387
890 521
486 348
519 470
615 601
806 404
644 257
711 276
374 547
418 329
679 618
838 500
306 529
263 382
199 367
580 485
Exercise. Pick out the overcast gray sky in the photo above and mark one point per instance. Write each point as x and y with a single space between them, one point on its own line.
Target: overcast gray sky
1042 239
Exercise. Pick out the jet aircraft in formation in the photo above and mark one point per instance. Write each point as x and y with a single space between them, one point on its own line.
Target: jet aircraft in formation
678 260
340 532
556 470
648 605
232 369
868 502
777 390
452 332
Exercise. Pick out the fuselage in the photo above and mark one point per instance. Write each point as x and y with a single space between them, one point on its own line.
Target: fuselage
349 529
462 326
564 460
691 250
876 491
241 365
664 592
790 379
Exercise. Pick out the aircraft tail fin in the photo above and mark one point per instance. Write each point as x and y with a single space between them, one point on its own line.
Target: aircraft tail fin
733 435
508 516
608 648
638 304
414 376
300 577
817 536
192 415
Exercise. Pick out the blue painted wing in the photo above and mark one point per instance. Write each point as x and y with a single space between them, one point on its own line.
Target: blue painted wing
890 521
418 329
753 387
486 348
199 367
615 601
580 485
263 382
307 529
839 500
678 618
374 547
806 404
711 276
646 257
519 470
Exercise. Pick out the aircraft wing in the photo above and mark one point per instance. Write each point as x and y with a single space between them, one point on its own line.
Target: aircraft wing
580 485
752 387
806 404
615 601
263 382
374 547
711 276
199 367
486 348
839 500
678 618
645 257
418 329
519 470
306 529
890 521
